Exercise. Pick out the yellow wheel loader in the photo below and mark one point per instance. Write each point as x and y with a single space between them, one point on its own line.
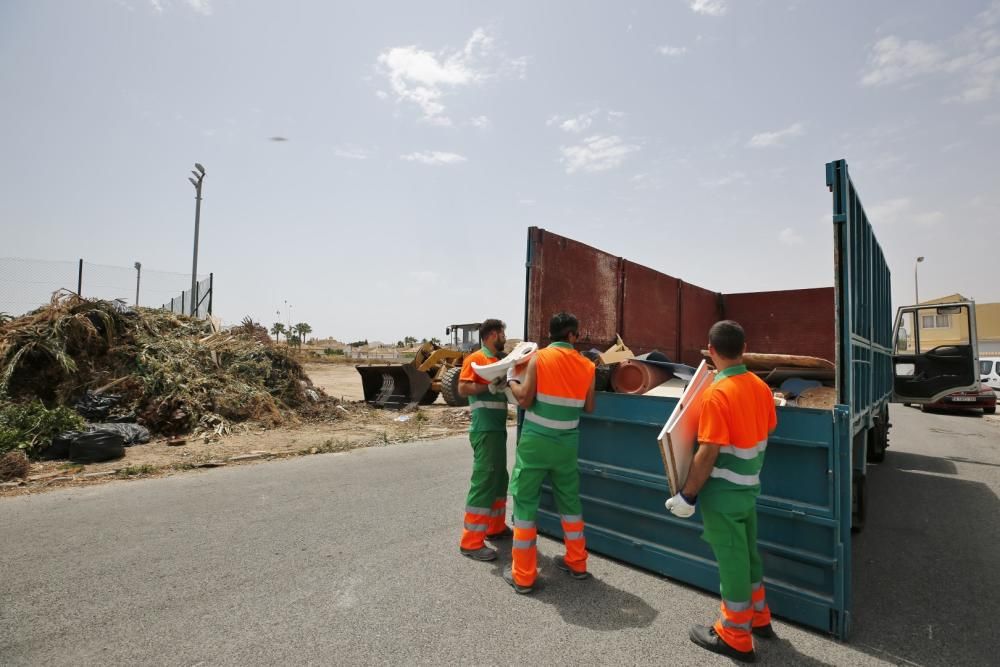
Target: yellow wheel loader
434 371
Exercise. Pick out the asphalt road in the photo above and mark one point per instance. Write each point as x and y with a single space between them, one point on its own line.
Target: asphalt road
352 559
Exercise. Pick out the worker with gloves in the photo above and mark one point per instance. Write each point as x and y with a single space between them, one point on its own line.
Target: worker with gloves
555 388
486 503
737 415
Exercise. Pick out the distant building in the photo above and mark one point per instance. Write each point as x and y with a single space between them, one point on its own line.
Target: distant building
943 329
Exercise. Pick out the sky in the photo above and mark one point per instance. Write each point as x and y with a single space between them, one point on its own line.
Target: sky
377 165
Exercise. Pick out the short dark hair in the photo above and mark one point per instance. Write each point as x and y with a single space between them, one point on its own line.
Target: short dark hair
489 326
562 325
728 339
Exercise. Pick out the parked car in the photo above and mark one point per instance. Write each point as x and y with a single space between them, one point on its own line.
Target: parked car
984 400
989 369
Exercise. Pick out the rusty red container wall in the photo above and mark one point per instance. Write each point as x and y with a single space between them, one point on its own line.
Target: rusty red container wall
655 311
786 322
649 310
568 275
699 311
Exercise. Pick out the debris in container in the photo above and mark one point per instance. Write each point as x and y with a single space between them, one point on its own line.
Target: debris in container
792 387
756 361
672 388
823 398
616 353
635 377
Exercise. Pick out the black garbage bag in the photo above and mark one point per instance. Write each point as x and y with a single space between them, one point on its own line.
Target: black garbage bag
95 407
96 446
59 448
132 434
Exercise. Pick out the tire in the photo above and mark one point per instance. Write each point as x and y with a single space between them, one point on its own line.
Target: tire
990 411
859 504
878 438
429 397
449 387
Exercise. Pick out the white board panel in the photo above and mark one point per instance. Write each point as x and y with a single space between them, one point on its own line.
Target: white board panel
680 434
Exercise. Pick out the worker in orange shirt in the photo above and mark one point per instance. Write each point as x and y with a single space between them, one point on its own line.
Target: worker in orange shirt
486 503
556 387
737 416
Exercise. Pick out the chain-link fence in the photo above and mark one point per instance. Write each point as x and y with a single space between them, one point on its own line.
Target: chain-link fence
26 284
182 304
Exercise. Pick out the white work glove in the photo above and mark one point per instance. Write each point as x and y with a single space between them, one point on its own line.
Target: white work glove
498 385
680 507
516 373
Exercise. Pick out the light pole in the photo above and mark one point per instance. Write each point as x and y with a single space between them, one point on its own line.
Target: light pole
138 276
916 289
198 177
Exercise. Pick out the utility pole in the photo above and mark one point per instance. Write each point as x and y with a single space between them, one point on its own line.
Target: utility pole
196 180
138 276
916 289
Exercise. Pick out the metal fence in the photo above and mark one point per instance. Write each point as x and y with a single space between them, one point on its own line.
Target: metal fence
202 297
26 284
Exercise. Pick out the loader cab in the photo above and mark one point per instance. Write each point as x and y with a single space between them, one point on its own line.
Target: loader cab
935 351
463 337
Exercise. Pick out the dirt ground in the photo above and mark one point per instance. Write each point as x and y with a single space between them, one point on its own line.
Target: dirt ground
351 425
339 380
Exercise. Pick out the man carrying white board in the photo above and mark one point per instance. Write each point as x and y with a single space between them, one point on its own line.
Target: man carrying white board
737 415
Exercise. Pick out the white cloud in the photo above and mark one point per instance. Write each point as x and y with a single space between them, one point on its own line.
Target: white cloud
776 138
352 152
381 94
902 210
894 61
672 51
970 59
424 78
708 7
728 179
482 122
433 158
574 124
890 211
203 7
929 218
597 153
790 237
526 202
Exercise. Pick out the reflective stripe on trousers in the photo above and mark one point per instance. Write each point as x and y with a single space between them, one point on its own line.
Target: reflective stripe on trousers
733 626
576 545
524 553
735 477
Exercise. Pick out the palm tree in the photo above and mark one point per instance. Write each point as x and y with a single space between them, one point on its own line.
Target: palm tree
302 329
277 330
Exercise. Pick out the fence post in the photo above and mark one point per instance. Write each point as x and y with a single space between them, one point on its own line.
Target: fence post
183 309
79 280
211 291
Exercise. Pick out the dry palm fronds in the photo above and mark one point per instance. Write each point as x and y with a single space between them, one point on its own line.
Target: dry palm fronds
171 370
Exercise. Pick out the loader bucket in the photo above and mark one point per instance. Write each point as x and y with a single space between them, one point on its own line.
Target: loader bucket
394 385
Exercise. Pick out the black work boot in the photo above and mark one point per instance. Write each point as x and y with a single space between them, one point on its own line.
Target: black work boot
482 553
765 632
508 576
706 637
561 564
504 534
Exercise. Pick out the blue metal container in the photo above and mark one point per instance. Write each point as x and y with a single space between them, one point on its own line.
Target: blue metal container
813 475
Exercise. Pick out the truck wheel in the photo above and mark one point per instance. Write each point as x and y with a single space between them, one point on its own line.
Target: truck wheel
429 397
449 387
859 504
878 438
